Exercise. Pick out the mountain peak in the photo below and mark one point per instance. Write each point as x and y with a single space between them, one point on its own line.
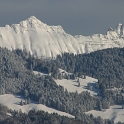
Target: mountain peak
120 29
119 24
33 18
110 29
32 22
41 39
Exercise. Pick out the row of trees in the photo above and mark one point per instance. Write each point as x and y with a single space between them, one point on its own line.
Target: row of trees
41 117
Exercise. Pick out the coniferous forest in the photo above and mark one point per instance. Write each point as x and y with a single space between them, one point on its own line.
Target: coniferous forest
17 77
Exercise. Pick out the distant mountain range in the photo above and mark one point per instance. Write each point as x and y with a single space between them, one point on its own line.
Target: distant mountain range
49 41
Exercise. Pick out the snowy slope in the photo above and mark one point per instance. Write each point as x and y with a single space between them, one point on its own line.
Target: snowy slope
115 113
13 102
39 73
71 85
49 41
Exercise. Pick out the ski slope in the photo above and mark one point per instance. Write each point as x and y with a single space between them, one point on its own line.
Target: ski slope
13 102
48 41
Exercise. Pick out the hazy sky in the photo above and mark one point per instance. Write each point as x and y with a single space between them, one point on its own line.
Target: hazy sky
84 17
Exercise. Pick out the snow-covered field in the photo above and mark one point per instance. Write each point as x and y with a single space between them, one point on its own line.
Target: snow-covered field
71 85
115 113
13 102
39 73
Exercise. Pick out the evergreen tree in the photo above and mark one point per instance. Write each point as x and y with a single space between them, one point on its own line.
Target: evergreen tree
21 103
28 100
78 81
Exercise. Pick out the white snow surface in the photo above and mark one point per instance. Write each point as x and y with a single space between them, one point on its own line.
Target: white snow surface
49 41
13 102
39 73
71 85
115 113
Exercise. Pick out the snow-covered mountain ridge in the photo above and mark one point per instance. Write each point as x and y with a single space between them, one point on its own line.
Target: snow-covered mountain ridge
49 41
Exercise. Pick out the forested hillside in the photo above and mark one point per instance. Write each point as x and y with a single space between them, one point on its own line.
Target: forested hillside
105 65
40 117
17 77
